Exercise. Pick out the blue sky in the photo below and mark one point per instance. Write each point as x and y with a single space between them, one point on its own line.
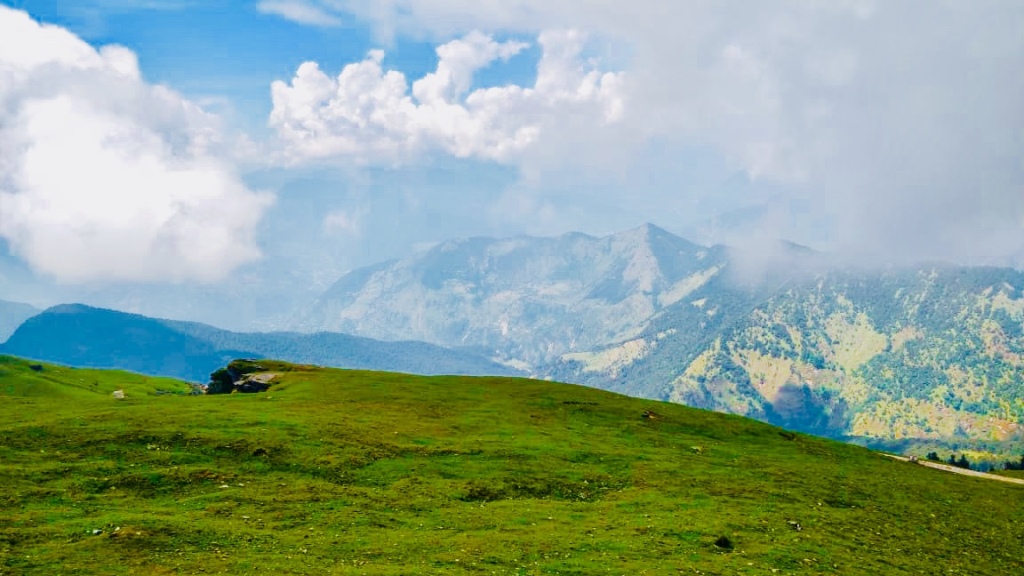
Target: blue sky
200 142
232 50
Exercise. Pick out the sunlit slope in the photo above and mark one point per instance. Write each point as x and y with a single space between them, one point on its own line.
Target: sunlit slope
373 473
918 355
48 384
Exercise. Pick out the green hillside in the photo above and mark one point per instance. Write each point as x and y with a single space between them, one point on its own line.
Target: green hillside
28 384
353 472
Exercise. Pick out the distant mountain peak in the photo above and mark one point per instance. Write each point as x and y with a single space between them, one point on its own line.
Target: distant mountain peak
526 298
73 308
653 235
643 231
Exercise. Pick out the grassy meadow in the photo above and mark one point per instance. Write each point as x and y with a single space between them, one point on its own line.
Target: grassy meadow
349 472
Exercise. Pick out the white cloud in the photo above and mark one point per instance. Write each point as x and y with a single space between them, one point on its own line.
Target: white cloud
903 120
106 178
368 113
299 12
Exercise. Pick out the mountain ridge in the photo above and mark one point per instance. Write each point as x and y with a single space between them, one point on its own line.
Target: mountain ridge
507 291
80 335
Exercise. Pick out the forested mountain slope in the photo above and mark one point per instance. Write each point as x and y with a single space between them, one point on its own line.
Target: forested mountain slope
927 353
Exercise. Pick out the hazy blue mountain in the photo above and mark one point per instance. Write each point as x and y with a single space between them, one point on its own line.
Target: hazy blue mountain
12 314
347 351
83 336
526 300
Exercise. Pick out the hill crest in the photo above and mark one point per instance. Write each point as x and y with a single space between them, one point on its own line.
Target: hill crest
80 335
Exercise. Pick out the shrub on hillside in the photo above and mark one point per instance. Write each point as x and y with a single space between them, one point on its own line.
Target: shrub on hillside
221 382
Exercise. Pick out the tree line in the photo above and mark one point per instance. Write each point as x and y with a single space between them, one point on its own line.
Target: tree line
963 462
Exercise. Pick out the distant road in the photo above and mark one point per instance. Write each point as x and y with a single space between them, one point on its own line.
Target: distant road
956 470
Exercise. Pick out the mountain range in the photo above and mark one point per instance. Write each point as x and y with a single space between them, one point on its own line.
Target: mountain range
932 353
527 301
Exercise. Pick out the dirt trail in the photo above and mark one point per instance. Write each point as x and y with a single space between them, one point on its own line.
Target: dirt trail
956 470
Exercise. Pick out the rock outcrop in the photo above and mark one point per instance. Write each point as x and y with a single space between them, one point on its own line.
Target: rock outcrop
245 376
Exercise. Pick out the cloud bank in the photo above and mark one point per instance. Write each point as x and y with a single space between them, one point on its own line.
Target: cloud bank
901 122
104 177
369 114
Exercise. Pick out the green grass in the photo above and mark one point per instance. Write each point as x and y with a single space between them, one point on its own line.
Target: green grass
349 472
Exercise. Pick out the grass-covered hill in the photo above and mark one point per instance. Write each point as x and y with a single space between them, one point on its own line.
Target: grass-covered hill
84 336
351 472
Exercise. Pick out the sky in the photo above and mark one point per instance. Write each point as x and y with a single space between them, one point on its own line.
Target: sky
196 153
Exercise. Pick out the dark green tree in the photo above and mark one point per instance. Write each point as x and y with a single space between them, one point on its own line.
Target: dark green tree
220 383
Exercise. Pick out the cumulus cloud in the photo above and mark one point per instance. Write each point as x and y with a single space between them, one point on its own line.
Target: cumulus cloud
901 120
369 113
104 177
